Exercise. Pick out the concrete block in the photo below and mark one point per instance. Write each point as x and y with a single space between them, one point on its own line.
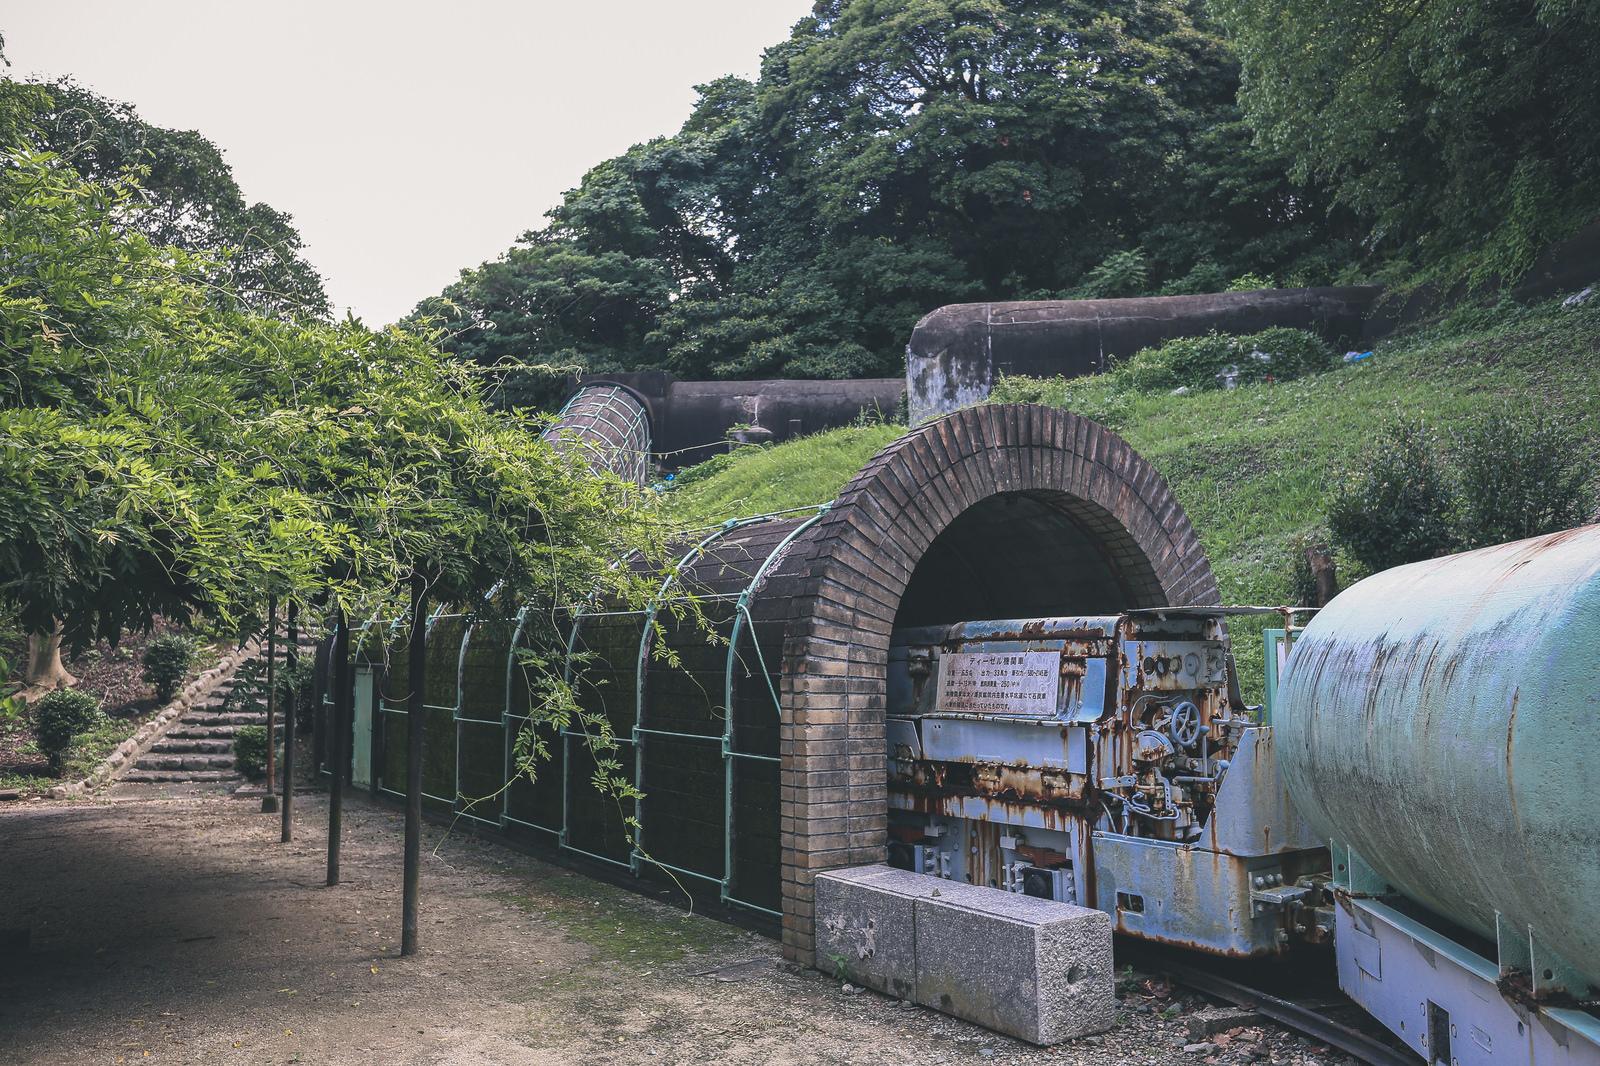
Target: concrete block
1030 968
864 928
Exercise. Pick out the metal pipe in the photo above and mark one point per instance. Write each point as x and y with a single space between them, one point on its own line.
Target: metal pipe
291 653
416 667
343 686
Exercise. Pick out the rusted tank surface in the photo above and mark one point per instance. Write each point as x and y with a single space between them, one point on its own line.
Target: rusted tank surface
1440 723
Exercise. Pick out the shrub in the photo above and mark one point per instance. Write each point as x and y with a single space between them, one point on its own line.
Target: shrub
1517 474
1397 505
1250 282
702 470
1097 397
166 664
1204 276
1279 354
250 750
59 717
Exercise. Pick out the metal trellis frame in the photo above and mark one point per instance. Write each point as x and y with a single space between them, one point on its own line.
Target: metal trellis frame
478 713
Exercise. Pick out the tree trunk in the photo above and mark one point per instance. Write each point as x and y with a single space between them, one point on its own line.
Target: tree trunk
45 669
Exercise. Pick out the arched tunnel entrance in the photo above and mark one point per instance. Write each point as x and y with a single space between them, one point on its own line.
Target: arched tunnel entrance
1039 507
761 759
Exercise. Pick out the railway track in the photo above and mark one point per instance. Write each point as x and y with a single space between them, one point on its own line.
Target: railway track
1305 997
1318 1017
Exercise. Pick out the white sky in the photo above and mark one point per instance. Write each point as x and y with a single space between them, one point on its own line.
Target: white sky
407 139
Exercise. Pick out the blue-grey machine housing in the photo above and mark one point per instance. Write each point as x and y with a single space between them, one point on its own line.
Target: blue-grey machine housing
1105 761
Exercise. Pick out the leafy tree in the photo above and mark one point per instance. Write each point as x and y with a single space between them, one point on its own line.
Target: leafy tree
166 452
190 197
1465 135
893 156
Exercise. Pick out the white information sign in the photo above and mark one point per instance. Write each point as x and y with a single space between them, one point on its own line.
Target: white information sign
999 682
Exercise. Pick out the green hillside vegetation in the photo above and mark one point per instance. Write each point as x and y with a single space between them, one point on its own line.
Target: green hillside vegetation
1255 466
761 480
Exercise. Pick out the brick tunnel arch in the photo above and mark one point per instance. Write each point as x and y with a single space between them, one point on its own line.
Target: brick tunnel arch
993 511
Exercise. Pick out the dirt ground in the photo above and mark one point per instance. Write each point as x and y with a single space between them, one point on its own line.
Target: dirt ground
171 926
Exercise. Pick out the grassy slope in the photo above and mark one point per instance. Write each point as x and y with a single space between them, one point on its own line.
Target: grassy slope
1253 467
798 473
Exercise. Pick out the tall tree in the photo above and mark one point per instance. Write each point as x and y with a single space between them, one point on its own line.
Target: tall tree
163 451
895 155
192 200
1464 133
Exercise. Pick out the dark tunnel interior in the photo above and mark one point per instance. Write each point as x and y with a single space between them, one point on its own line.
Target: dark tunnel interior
1026 555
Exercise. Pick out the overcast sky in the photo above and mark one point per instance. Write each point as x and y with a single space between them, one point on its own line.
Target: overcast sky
407 139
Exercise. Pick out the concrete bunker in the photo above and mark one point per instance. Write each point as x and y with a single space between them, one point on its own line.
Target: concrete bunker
762 761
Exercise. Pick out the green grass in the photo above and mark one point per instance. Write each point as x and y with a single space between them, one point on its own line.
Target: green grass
1254 467
618 927
797 473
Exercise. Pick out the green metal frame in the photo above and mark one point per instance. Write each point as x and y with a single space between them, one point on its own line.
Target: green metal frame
641 455
1272 640
741 627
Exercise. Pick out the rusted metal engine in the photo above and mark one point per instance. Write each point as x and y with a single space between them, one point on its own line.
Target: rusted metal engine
1106 761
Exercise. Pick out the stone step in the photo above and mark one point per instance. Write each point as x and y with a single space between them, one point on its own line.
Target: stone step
157 761
180 776
216 718
186 730
172 745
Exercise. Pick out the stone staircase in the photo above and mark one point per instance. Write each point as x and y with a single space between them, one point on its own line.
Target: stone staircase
199 747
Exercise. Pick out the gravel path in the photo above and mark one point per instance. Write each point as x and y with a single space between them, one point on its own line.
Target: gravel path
168 925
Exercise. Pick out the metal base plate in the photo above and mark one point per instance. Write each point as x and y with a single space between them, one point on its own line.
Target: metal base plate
1443 1000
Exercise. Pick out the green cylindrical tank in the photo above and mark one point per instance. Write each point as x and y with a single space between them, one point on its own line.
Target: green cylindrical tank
1442 720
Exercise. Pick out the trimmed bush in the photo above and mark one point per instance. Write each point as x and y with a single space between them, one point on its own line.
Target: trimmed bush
1397 505
60 717
250 750
166 664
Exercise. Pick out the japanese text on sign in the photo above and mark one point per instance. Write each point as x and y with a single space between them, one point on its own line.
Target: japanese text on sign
999 682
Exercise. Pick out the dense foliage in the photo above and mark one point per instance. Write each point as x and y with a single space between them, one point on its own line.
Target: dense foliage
893 156
250 751
166 452
1464 133
59 717
189 197
1503 474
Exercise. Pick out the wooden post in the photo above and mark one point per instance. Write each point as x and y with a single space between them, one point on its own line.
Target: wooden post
338 741
269 802
416 663
291 656
1320 559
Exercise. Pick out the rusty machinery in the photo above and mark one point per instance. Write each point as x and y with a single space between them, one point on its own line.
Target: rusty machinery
1106 761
